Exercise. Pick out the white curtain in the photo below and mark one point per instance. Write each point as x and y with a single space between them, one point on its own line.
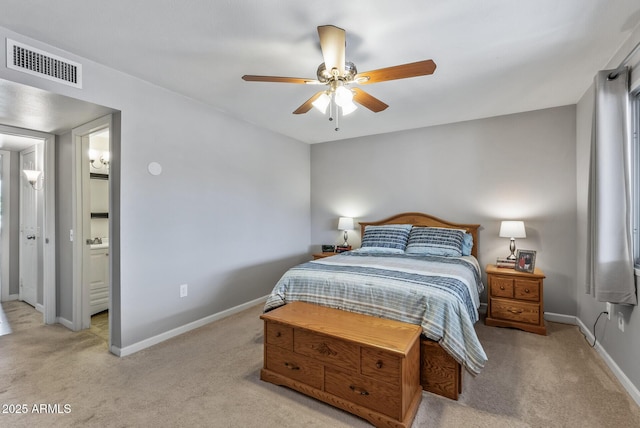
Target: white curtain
610 252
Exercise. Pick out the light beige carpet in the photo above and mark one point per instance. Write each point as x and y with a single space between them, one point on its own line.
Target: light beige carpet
210 378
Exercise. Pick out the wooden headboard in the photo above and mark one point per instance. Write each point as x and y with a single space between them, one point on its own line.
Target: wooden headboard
419 219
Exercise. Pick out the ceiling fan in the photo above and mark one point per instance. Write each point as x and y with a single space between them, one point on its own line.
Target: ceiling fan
338 74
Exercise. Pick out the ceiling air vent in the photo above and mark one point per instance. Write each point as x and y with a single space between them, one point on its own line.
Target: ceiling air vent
30 60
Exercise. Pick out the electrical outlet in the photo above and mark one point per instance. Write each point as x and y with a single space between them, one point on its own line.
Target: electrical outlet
183 290
620 321
609 310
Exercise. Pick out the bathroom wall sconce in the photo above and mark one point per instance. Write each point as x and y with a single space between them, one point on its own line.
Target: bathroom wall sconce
345 223
32 177
99 160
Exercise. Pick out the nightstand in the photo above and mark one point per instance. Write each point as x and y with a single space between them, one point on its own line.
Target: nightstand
515 299
317 256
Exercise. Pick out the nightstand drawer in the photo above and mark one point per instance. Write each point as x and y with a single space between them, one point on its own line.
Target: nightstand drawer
515 311
527 290
501 287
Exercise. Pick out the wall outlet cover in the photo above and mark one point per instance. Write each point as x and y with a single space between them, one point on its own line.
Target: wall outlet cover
183 290
609 310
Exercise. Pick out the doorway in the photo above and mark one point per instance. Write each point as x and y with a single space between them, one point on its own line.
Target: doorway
92 255
27 219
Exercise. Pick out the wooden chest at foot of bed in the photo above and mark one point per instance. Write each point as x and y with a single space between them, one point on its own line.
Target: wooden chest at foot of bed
365 365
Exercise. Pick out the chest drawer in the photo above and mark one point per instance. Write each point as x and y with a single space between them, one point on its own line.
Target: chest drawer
327 349
294 366
527 290
501 287
366 392
515 311
380 365
279 335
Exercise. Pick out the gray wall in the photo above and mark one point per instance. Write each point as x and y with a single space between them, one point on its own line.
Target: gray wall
519 166
228 215
64 213
622 347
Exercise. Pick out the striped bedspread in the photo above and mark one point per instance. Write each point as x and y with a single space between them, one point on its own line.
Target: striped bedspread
441 294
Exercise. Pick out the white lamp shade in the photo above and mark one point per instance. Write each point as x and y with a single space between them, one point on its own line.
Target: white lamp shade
350 107
31 174
512 229
343 96
322 102
345 223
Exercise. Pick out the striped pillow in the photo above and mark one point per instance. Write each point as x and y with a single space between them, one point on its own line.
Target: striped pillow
390 238
436 241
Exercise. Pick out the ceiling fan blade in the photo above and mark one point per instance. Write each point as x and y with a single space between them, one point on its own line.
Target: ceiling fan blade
306 106
333 44
414 69
278 79
368 101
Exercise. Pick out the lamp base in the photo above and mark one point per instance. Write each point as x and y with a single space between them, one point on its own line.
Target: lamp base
512 248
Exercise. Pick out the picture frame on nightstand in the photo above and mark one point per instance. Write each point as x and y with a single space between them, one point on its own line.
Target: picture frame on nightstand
525 261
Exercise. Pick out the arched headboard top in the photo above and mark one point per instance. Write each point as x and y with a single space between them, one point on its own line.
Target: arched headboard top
426 220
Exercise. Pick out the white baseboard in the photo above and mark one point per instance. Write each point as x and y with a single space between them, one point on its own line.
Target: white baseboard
40 308
482 309
561 318
139 346
65 322
618 373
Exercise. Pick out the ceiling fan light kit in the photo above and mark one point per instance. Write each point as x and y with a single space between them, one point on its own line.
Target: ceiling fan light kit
338 74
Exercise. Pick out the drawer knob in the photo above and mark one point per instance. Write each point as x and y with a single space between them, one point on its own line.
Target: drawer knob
502 287
379 364
358 390
278 334
526 290
291 366
515 311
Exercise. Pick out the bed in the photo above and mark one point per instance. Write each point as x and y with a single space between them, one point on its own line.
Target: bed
422 280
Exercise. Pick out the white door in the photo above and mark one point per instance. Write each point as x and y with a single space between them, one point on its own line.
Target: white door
29 233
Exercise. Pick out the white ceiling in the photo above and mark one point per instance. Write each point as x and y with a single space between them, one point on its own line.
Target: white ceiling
493 57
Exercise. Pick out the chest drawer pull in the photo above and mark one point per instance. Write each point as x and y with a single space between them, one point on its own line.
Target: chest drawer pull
515 311
502 287
379 364
291 366
358 390
278 334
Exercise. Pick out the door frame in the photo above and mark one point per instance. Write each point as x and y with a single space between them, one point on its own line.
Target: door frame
4 228
81 221
45 158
